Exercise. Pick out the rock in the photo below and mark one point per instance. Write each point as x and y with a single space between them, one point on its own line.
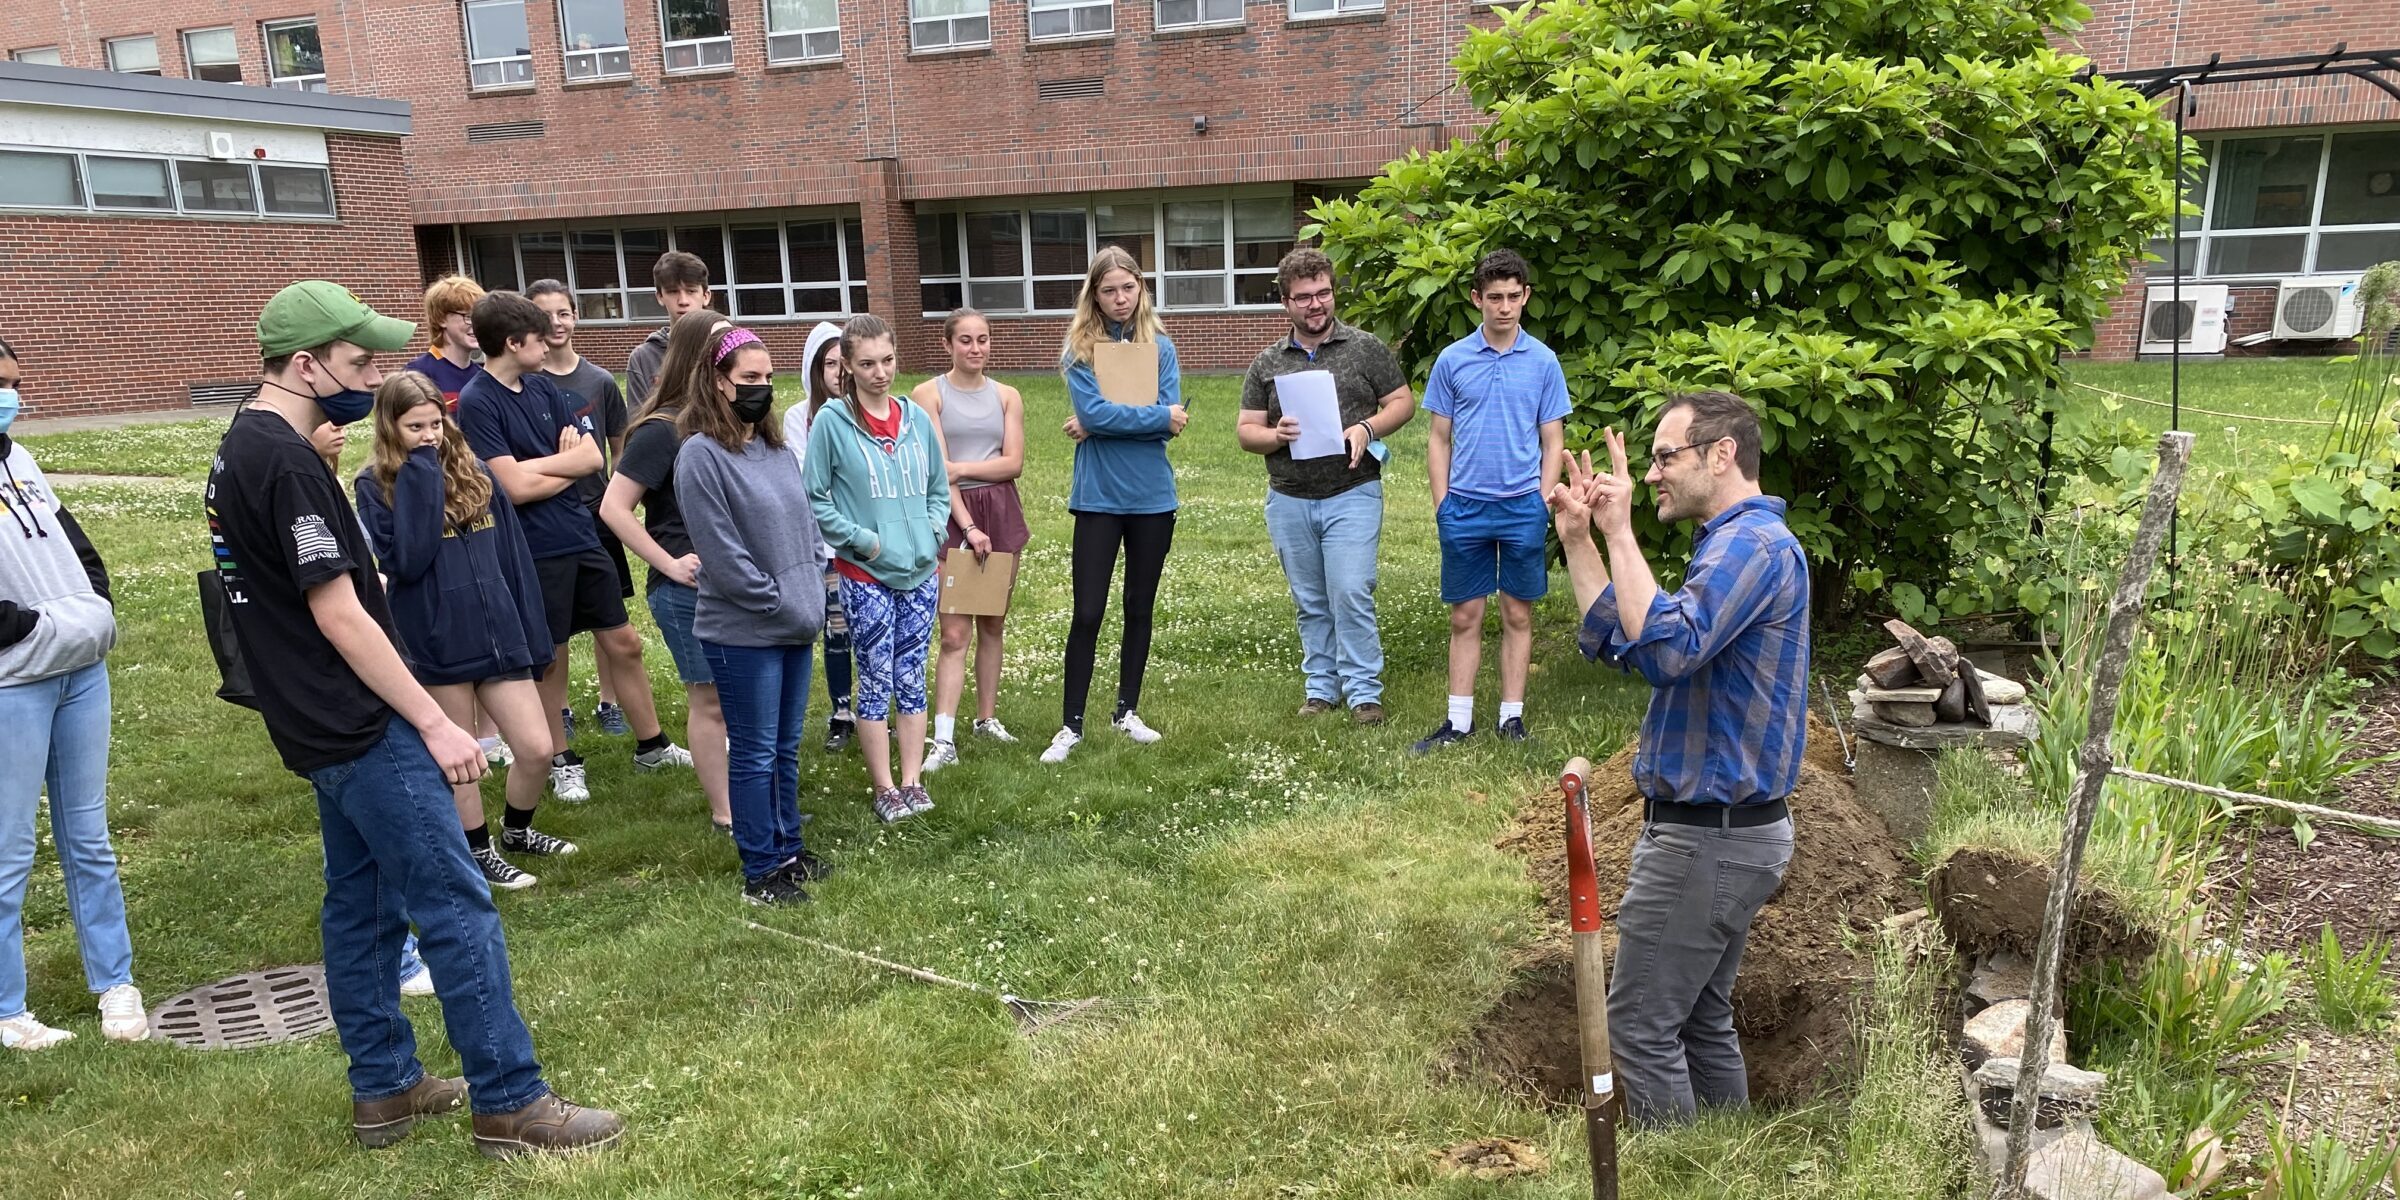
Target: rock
1994 1136
1936 658
1951 705
2066 1093
2079 1166
2003 975
1904 714
1974 707
1892 668
2012 726
1999 1032
1898 695
1999 689
1490 1158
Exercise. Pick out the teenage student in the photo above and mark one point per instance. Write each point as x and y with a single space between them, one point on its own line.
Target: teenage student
464 600
680 281
982 422
530 437
1499 406
593 392
1124 490
759 607
881 496
646 476
827 380
344 712
449 361
57 624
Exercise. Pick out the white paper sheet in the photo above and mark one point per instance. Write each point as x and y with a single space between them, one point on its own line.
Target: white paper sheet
1309 397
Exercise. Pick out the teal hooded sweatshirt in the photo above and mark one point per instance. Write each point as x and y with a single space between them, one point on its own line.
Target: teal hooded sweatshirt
882 505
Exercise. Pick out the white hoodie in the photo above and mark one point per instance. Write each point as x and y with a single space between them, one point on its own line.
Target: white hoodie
75 625
795 419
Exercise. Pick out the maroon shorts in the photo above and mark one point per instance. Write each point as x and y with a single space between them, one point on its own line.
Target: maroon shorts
997 512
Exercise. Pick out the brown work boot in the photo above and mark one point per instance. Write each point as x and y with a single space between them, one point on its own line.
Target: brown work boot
384 1122
546 1126
1369 713
1315 707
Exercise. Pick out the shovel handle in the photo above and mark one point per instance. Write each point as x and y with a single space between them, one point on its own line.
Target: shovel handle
1591 980
1583 887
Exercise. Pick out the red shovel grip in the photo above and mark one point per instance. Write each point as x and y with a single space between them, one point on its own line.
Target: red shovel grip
1583 885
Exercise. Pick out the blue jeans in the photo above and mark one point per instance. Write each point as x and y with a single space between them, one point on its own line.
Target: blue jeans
57 731
1328 548
393 851
765 693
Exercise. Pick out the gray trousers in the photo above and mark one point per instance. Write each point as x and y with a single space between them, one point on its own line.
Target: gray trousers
1689 899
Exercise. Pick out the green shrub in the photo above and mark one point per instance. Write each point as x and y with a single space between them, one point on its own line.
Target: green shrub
2202 1006
2351 991
2322 1167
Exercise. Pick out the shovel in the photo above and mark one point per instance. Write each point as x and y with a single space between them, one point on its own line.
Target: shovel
1033 1016
1591 982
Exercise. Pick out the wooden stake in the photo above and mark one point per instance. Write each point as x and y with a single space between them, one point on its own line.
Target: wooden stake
2092 767
1600 1105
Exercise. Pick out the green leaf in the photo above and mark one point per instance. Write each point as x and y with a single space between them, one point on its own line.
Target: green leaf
1837 178
1901 233
2319 497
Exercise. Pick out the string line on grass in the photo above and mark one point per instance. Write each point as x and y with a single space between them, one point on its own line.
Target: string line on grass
2205 412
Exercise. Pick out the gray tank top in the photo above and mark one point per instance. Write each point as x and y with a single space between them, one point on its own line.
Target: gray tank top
972 423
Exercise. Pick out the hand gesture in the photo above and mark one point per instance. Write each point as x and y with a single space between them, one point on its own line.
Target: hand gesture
1178 417
979 542
1357 437
1074 429
1611 493
455 750
569 438
1571 500
685 570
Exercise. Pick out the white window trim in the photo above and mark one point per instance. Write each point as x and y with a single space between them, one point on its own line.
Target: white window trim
767 22
1070 7
667 48
108 54
1155 278
2204 238
951 23
1341 8
18 55
568 53
466 25
189 62
266 34
853 275
1158 19
87 204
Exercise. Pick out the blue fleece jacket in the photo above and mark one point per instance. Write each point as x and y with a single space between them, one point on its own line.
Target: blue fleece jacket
1121 464
466 603
881 505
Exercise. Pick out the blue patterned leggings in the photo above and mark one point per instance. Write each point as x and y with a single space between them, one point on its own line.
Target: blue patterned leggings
890 633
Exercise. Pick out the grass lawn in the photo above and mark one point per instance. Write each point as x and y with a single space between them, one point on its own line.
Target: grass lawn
1297 918
2243 412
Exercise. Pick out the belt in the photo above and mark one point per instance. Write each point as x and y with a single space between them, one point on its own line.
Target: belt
1721 816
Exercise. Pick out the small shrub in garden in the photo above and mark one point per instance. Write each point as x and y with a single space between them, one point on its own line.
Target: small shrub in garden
2351 991
2322 1167
2201 1004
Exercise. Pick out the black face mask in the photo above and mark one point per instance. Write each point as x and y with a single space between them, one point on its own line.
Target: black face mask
753 401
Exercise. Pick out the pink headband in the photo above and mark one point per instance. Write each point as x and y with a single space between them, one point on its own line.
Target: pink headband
735 341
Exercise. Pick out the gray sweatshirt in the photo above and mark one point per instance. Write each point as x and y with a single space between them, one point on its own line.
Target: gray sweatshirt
762 582
55 615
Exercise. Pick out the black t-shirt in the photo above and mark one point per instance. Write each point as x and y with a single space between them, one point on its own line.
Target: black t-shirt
280 525
597 402
524 425
649 460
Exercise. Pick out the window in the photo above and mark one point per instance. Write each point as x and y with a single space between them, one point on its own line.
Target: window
1200 253
803 268
131 183
948 24
133 55
698 34
1071 18
216 187
499 52
2300 203
29 180
294 58
214 55
593 33
295 191
802 31
1333 8
45 55
1174 14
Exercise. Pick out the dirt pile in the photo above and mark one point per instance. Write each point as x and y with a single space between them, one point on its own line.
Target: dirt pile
1803 970
1989 900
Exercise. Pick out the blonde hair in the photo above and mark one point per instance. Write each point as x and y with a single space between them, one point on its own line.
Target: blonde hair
449 294
1090 328
466 490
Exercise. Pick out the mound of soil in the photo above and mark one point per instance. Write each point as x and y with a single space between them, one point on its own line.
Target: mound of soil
1990 900
1802 971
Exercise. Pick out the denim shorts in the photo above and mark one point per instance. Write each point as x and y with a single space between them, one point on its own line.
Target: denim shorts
671 605
1490 545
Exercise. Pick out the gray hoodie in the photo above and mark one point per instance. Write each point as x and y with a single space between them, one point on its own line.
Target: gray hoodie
762 582
641 369
55 615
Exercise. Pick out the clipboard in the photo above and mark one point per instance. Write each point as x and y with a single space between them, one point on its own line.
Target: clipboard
977 589
1127 372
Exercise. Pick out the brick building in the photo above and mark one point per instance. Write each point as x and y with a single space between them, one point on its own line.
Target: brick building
2303 176
143 222
830 156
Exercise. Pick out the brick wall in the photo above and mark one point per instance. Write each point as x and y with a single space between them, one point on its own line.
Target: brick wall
119 314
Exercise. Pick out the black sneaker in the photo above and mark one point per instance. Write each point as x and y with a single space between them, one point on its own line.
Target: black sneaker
1513 730
533 841
838 732
499 872
566 717
776 887
808 868
1446 734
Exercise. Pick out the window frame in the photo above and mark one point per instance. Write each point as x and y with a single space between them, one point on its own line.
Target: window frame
55 59
87 202
1155 276
596 55
950 27
1158 18
466 26
191 61
1073 9
1341 8
698 47
108 54
298 83
767 23
633 285
2202 237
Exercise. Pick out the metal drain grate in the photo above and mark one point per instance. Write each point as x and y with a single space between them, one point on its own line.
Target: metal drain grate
279 1004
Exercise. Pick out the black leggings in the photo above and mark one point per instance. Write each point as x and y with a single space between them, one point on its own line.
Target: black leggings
1146 539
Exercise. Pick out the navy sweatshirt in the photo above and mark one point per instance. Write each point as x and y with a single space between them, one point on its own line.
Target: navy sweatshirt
466 603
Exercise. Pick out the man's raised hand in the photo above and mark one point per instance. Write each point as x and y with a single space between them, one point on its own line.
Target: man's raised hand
1612 490
1571 498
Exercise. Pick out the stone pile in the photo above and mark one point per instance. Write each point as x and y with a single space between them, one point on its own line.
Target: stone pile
1925 683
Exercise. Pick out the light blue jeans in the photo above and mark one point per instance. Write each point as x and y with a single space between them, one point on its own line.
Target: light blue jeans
57 734
1328 548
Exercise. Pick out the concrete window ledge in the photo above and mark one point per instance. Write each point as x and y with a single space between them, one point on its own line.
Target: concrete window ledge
1085 42
982 51
514 89
1228 29
703 73
1364 18
814 64
591 85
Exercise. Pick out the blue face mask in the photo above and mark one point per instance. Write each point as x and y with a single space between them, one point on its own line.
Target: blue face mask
9 403
346 405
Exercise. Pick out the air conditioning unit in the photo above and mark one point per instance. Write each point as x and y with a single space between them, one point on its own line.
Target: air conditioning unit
221 144
2317 308
2197 320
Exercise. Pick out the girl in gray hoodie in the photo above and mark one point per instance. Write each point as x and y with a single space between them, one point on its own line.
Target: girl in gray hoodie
56 627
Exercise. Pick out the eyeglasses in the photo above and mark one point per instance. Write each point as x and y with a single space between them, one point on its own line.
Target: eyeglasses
1311 299
1660 458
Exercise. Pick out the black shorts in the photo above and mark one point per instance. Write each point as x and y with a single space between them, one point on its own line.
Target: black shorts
579 593
616 552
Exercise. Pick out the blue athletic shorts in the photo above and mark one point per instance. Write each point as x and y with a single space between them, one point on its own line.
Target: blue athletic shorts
1493 545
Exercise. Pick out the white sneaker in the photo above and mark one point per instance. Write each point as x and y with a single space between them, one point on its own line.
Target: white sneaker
121 1015
567 783
1059 745
25 1032
1131 726
991 727
496 752
939 754
419 984
669 755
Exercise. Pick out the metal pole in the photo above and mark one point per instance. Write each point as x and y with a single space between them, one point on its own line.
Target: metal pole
2183 95
1591 983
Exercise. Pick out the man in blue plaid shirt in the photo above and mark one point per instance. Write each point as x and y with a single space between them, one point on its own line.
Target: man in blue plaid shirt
1727 655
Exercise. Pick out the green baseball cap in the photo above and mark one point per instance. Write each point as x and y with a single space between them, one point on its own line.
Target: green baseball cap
313 312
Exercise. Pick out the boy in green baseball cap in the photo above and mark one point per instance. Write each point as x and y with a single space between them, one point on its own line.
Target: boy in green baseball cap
310 620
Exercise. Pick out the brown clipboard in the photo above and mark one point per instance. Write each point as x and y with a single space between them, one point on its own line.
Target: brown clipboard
1127 372
977 589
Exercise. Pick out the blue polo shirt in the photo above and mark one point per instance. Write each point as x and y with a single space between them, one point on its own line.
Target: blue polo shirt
1497 402
524 425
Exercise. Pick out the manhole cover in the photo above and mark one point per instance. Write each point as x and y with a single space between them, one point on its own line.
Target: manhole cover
279 1004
